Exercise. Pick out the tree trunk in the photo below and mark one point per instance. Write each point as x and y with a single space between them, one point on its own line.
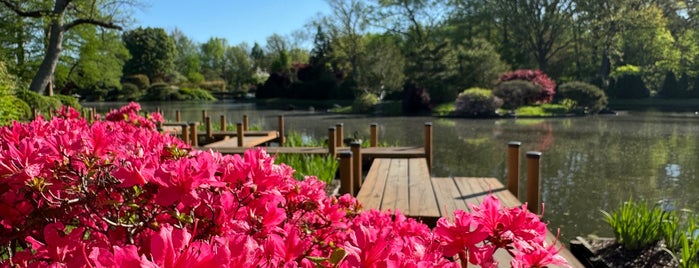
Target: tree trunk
48 64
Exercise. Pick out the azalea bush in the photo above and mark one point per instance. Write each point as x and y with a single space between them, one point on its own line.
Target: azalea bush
536 77
117 193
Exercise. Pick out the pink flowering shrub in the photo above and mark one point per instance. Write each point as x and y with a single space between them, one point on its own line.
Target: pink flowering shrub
536 77
117 193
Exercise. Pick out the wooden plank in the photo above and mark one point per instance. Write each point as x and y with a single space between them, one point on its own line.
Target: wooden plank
395 196
393 152
470 191
372 191
248 141
501 192
447 195
421 194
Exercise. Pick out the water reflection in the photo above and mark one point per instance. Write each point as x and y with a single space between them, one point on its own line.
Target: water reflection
588 164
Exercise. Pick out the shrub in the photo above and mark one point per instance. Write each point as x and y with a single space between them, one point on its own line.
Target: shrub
415 99
365 103
159 92
196 94
536 77
477 102
215 85
68 101
586 96
140 80
626 83
323 167
7 80
13 109
128 92
38 102
671 87
516 93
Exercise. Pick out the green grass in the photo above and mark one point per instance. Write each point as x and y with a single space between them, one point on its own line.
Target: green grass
341 110
443 109
323 167
637 225
295 139
542 110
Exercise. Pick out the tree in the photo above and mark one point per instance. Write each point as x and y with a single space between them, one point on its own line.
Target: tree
258 57
383 65
187 59
152 53
62 16
239 67
212 58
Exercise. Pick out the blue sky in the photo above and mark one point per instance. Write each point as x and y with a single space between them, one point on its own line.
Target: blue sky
235 20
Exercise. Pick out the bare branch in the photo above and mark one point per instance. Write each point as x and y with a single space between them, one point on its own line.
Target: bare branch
103 24
22 13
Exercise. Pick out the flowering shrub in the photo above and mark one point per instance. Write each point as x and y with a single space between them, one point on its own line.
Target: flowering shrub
536 77
119 194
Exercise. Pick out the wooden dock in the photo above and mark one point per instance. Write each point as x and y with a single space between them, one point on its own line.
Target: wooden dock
405 185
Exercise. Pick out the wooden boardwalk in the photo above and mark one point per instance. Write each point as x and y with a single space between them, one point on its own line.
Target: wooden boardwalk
405 185
249 139
371 152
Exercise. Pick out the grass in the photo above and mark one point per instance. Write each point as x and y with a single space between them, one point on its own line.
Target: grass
443 109
542 110
323 167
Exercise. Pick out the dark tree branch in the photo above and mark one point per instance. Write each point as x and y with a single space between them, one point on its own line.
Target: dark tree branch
100 23
16 9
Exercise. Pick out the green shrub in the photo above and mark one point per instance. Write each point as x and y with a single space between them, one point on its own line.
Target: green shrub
159 92
365 103
295 139
587 97
477 102
196 94
128 92
444 109
68 101
13 109
7 81
516 93
140 80
626 83
39 102
216 85
636 225
415 99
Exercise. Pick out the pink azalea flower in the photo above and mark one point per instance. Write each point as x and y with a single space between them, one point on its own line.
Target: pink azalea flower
538 257
463 234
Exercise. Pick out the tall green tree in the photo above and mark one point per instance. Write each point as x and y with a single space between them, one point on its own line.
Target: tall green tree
213 54
240 68
152 53
61 16
187 59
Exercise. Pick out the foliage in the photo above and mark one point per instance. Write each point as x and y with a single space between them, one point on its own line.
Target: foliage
365 103
536 77
141 81
127 92
322 167
415 99
636 225
671 87
7 81
13 109
295 139
195 94
160 91
444 109
626 70
586 96
68 101
152 53
628 86
119 193
214 85
542 110
41 103
516 93
477 102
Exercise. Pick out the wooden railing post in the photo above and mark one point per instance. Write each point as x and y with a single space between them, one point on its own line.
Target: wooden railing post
533 185
178 116
209 129
90 117
513 167
195 137
339 132
428 144
331 141
374 135
185 133
282 138
223 123
203 115
346 185
239 132
245 122
356 166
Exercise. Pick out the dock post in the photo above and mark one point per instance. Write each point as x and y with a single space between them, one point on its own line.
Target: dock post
374 135
331 141
157 110
513 167
239 130
340 134
428 144
209 129
185 133
245 122
90 115
195 137
223 123
203 115
282 138
346 186
178 116
356 166
533 186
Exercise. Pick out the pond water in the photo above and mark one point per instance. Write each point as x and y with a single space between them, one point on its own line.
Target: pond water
588 163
